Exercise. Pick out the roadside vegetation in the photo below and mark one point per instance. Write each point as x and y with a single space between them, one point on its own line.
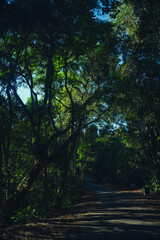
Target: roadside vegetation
94 107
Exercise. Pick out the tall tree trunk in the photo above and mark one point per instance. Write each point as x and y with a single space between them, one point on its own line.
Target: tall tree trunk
1 176
6 145
45 188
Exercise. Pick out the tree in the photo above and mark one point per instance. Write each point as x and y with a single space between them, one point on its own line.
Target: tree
49 48
138 84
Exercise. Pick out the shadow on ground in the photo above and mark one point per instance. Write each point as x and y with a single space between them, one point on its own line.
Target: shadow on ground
102 214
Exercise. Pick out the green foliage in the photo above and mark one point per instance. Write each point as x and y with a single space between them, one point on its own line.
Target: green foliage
80 72
137 95
26 215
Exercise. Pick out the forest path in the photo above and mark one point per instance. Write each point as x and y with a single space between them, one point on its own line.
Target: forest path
103 213
118 215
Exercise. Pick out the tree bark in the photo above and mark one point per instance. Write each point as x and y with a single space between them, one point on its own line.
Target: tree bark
14 202
1 177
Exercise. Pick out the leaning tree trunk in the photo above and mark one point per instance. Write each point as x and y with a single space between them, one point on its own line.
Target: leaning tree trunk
15 201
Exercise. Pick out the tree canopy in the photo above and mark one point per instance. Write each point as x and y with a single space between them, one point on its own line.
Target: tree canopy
93 104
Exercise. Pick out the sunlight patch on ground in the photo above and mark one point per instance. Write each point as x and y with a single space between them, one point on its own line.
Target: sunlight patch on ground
133 222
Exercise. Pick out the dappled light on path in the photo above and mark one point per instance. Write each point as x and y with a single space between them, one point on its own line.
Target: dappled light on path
102 214
117 216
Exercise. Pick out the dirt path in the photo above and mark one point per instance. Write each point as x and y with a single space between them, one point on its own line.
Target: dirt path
102 214
121 215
